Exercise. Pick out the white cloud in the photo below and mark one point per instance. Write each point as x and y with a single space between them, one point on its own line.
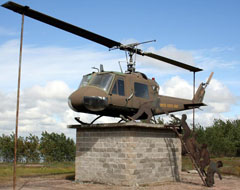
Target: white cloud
42 108
45 74
43 64
205 119
162 67
221 49
215 58
218 97
177 87
172 52
6 32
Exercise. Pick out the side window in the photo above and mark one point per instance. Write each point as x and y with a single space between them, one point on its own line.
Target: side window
121 87
118 87
141 90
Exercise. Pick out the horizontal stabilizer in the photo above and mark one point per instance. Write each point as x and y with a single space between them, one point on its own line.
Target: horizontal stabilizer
194 105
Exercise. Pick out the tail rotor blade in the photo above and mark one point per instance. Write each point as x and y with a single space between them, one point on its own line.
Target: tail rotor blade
209 78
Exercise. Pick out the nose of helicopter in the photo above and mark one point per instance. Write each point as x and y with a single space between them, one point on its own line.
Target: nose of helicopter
89 98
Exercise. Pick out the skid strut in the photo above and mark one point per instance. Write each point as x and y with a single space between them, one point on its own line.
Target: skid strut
83 123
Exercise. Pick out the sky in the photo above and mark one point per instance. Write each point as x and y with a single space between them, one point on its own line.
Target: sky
202 33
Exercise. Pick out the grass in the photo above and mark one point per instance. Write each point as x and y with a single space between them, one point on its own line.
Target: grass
231 165
31 170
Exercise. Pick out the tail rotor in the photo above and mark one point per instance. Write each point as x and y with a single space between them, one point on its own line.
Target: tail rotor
198 97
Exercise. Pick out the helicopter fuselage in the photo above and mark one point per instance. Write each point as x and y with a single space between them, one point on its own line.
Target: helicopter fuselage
114 94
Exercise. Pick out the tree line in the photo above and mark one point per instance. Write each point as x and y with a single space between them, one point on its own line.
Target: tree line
222 137
50 147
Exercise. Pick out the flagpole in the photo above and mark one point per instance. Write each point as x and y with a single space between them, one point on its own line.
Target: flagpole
17 110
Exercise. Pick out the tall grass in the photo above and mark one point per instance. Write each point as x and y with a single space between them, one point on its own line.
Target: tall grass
231 165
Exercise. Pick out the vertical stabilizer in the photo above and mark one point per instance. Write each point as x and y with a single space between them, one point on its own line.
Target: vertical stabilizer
198 97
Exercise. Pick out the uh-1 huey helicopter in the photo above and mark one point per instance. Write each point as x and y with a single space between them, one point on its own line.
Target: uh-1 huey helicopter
116 94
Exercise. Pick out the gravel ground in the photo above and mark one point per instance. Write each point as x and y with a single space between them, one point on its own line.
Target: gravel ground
188 182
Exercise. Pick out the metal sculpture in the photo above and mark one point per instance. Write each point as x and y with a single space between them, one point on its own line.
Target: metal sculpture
200 157
212 169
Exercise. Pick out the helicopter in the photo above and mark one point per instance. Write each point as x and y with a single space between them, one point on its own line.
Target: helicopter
130 95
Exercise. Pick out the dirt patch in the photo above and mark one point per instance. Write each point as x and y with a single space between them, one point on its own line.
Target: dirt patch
63 182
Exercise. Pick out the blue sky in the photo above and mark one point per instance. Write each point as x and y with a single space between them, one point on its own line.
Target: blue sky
187 24
203 33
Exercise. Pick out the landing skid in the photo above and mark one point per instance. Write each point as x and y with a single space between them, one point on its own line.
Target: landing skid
123 118
83 123
128 119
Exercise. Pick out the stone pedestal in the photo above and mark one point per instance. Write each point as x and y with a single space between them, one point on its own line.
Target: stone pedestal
127 154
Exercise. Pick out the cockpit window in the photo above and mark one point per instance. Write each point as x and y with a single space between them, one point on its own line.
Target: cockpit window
141 90
102 81
114 90
85 80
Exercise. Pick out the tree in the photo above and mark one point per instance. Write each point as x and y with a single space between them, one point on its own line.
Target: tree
55 147
51 147
20 149
7 148
222 137
32 153
160 121
173 121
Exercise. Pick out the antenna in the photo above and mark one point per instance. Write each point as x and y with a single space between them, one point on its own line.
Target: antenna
101 68
96 68
119 63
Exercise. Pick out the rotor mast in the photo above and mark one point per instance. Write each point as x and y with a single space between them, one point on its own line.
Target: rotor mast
131 64
132 50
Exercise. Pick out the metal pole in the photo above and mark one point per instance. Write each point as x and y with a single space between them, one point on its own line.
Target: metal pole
17 111
193 101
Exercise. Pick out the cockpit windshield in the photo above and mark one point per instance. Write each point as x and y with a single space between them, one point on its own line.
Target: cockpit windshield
85 80
102 81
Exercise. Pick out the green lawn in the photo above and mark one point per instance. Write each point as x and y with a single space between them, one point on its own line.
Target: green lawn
27 170
231 165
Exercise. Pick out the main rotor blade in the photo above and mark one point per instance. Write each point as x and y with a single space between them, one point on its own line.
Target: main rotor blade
61 24
89 35
172 62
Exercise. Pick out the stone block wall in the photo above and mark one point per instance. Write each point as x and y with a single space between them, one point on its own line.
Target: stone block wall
127 155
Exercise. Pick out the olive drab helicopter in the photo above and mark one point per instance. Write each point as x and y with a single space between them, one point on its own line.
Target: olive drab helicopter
130 95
